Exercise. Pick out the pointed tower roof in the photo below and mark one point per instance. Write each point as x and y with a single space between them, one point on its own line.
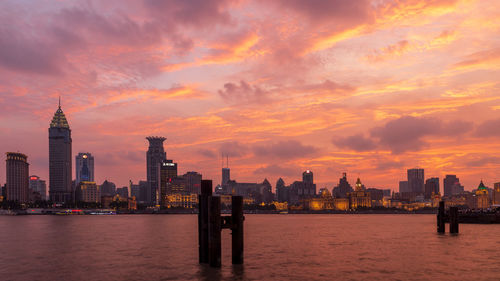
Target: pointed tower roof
481 185
59 119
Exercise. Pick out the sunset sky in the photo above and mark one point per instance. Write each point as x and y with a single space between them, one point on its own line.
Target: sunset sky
366 87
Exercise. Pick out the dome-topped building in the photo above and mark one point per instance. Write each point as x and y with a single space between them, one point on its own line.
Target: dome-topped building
481 197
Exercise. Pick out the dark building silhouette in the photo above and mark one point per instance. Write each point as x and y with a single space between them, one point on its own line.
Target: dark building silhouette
452 186
193 182
122 192
282 191
168 171
403 187
17 177
416 180
343 188
154 157
84 164
60 186
38 185
431 186
107 188
226 175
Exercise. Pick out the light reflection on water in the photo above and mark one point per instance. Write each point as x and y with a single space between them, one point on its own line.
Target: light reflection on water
277 247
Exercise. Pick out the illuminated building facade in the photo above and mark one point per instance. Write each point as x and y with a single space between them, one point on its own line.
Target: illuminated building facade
481 197
60 177
416 180
341 204
88 191
17 186
39 186
155 156
323 202
168 172
181 200
84 164
359 198
496 194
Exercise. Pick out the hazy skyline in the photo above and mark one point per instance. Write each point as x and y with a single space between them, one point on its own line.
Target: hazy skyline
366 87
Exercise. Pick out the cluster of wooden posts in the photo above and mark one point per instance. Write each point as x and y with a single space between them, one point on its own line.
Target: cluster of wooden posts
211 223
452 216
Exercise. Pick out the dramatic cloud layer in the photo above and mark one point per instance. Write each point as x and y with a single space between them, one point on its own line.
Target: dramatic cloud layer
367 87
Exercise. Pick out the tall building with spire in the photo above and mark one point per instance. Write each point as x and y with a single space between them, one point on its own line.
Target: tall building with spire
60 188
154 157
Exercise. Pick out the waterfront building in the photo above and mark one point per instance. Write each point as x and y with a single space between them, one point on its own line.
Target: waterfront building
282 191
193 182
452 186
496 194
84 164
341 204
181 200
257 192
135 190
481 197
416 180
376 195
88 191
122 192
155 156
359 198
17 171
323 202
168 171
60 177
431 187
404 187
39 186
343 188
108 188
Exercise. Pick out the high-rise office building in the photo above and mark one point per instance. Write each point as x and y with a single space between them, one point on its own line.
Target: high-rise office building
225 176
17 177
452 186
88 191
307 176
193 182
416 180
431 186
38 185
168 172
154 157
84 163
496 194
60 159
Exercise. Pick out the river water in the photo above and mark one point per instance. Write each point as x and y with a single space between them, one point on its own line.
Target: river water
277 247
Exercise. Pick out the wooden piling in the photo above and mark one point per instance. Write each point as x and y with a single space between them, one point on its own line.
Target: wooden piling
206 192
237 229
453 219
214 231
440 218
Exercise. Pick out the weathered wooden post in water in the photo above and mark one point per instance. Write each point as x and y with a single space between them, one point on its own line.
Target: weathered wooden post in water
440 218
453 219
211 223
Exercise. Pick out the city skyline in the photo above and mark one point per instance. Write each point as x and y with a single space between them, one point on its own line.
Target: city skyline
370 97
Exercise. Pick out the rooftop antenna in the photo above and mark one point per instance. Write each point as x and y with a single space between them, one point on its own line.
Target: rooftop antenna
227 160
59 101
222 159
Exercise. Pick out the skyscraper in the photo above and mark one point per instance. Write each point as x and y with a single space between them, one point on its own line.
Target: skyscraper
451 185
431 186
403 187
225 176
193 182
17 177
154 157
60 159
416 180
84 163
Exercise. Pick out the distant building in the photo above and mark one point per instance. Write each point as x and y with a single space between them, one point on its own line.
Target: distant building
60 188
193 182
181 200
481 197
88 191
343 188
17 177
168 171
258 192
323 202
416 180
226 176
84 164
452 186
282 191
431 187
154 157
359 198
135 190
39 186
108 188
496 194
404 187
376 195
122 192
